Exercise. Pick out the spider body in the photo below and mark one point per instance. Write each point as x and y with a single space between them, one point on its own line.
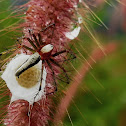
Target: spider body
43 51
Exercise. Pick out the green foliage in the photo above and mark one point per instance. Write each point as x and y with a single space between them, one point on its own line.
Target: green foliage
8 20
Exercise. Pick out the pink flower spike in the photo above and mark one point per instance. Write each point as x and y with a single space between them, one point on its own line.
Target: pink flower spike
31 76
18 114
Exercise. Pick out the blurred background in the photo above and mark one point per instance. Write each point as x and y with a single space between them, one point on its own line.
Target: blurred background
101 97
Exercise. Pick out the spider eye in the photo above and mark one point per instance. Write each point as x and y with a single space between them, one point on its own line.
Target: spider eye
47 48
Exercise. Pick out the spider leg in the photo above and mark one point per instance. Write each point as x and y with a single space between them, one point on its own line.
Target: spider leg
72 56
36 41
28 48
62 79
63 51
52 74
24 46
52 34
44 29
40 39
53 24
58 53
54 62
40 87
31 42
31 106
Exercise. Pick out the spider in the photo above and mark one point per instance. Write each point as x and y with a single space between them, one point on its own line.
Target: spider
42 51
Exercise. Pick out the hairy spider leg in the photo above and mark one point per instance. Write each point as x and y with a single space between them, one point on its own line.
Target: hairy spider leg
40 39
52 33
63 51
62 79
71 52
68 52
72 56
40 87
44 29
25 47
53 24
58 53
55 63
36 41
32 43
31 106
28 48
54 78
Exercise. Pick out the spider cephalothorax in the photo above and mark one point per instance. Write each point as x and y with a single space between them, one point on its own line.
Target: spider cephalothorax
46 51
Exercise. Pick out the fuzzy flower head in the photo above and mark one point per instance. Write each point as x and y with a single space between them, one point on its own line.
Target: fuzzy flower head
42 13
49 25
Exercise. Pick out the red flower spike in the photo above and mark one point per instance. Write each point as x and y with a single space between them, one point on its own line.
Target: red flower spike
38 28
